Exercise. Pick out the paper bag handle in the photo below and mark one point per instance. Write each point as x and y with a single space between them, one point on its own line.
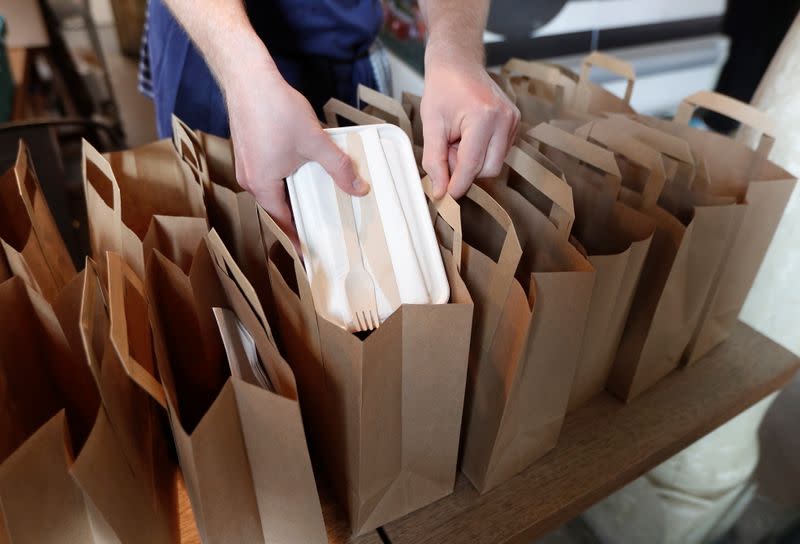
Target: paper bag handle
225 261
412 104
23 162
672 146
733 109
120 273
668 145
562 213
91 284
91 155
447 208
612 64
505 85
637 152
334 108
580 149
541 72
189 148
28 187
507 262
536 71
386 104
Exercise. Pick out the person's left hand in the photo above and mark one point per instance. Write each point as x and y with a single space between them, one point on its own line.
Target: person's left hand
468 122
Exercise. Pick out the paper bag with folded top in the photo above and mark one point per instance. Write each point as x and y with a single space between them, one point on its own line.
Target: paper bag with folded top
231 209
684 257
734 170
65 474
616 238
205 320
126 190
383 410
532 291
30 245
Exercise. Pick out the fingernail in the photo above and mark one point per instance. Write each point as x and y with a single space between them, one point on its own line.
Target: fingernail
360 186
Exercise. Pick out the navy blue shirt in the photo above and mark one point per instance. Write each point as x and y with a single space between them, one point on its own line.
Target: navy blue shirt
337 29
320 47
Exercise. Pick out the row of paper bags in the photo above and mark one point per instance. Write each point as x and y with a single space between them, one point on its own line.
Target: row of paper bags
610 249
615 248
163 329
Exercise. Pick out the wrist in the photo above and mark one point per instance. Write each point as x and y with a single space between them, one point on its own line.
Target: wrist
463 52
246 64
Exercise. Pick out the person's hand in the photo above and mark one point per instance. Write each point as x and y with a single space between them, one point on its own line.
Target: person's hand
468 123
274 132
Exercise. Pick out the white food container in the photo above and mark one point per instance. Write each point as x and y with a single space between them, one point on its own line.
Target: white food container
410 239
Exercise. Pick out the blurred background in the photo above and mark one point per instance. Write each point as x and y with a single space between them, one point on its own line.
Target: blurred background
69 70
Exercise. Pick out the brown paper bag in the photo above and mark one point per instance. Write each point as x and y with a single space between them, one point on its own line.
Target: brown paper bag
616 238
136 418
65 476
734 170
681 167
685 255
335 110
594 99
546 92
125 192
532 297
541 91
243 484
412 105
383 411
30 245
379 109
231 210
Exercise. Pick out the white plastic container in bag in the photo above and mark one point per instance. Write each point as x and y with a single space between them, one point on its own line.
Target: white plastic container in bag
415 258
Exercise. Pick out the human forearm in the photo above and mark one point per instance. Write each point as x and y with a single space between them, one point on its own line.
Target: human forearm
222 32
262 107
455 30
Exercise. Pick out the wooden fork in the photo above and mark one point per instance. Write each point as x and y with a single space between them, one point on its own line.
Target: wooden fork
358 285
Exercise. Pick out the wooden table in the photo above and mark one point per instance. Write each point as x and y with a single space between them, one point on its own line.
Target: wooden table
602 447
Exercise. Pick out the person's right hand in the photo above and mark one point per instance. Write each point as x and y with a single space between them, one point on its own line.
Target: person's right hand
274 132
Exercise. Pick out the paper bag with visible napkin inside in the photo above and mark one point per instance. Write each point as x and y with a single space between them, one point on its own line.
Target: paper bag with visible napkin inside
615 237
126 190
206 321
758 184
66 474
532 291
30 245
231 209
383 411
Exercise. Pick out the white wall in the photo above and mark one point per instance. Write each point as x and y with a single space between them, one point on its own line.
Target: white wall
773 306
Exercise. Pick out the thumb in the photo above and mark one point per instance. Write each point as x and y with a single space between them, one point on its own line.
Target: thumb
337 164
